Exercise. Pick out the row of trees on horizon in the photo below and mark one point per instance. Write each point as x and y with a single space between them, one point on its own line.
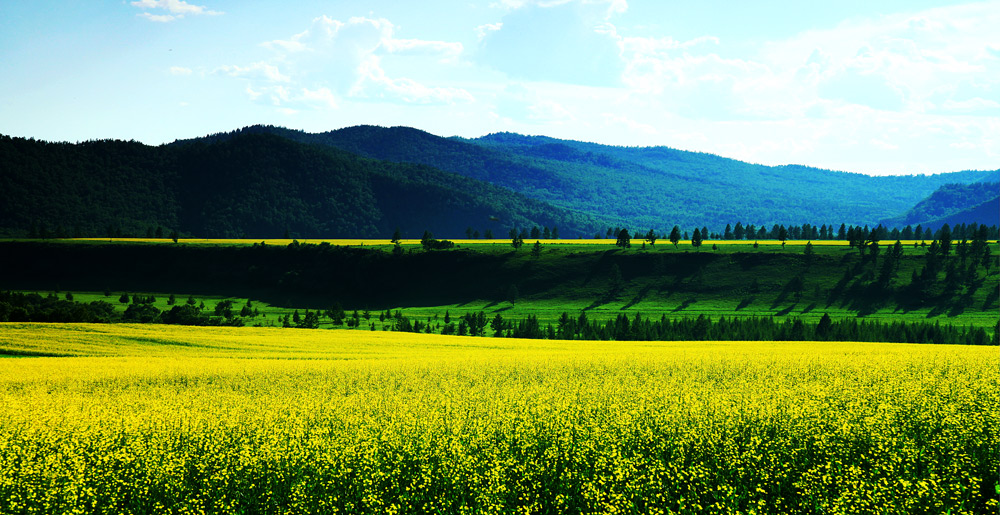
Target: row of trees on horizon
778 232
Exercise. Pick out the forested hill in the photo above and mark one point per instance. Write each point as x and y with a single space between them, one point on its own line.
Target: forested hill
248 185
954 203
647 187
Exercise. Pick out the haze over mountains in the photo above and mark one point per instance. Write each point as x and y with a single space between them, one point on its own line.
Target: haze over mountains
264 181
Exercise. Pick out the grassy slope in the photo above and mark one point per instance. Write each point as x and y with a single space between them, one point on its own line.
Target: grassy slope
678 282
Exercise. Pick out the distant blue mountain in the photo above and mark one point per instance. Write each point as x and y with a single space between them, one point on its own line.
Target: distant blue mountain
648 187
952 204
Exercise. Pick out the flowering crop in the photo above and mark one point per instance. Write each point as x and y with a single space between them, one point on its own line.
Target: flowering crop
164 419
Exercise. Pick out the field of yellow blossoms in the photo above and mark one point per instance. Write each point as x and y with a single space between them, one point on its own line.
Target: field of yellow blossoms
174 419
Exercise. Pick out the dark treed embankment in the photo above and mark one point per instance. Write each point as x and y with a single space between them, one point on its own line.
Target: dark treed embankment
861 281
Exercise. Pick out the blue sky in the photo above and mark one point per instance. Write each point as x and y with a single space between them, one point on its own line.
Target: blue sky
876 87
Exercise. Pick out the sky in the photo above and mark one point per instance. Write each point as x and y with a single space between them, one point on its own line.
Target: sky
877 87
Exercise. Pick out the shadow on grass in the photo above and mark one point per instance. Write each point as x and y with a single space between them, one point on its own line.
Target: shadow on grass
600 301
601 267
638 297
745 302
794 286
785 311
991 299
684 305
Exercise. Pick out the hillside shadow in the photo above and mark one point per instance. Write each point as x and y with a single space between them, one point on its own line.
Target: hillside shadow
794 286
684 305
600 301
745 302
600 265
809 308
638 297
991 299
670 286
867 299
785 311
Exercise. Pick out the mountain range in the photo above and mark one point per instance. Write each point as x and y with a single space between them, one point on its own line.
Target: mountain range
265 181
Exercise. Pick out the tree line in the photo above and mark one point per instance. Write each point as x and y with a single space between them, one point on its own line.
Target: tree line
781 232
33 307
702 328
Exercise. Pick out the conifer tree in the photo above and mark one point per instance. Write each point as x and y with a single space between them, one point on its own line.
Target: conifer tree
624 239
675 235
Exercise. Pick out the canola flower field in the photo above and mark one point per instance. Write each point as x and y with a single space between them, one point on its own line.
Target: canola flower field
477 242
174 419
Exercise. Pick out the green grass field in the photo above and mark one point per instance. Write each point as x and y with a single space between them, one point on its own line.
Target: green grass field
735 280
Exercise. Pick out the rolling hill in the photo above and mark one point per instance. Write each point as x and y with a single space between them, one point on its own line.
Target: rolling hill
252 185
264 181
953 204
652 187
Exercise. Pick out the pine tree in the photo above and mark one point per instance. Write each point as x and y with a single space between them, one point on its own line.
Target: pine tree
696 238
497 325
624 239
675 235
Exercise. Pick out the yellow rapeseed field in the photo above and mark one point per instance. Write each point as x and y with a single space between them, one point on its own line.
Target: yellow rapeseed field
374 242
173 419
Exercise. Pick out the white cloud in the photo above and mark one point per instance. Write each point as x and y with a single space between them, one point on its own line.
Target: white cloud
180 70
483 30
252 93
630 124
332 60
259 70
160 18
170 10
884 145
568 42
175 7
422 47
608 7
373 83
322 96
972 104
935 59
